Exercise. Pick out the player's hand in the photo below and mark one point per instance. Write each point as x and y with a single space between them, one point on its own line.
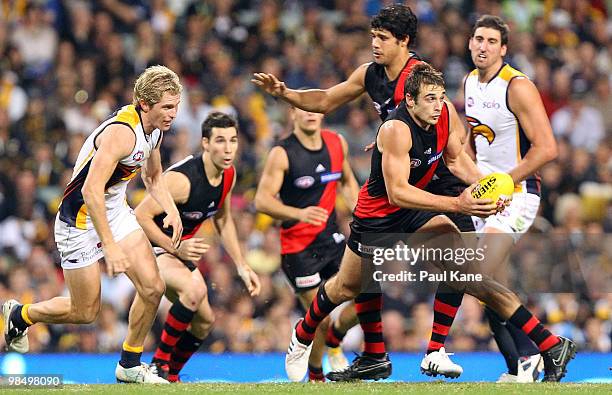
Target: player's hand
369 147
503 202
314 215
250 279
116 260
174 219
192 249
478 207
270 84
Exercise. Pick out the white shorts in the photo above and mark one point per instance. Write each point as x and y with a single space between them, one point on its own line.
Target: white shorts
80 248
516 219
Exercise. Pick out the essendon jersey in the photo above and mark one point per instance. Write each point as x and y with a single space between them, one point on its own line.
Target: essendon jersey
425 155
204 199
311 180
387 94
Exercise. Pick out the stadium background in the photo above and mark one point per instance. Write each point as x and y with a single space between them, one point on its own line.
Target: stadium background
66 65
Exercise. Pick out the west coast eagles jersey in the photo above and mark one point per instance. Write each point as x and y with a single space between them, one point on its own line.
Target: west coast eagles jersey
498 135
72 209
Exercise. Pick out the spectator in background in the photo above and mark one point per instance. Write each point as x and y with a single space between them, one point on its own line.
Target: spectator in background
581 124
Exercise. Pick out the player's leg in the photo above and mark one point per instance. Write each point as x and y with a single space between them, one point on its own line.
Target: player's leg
315 360
150 288
186 289
342 287
81 307
191 339
346 319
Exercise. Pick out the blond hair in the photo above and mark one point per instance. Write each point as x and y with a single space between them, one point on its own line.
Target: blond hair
153 83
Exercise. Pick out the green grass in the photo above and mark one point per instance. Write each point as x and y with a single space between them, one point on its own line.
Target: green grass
331 388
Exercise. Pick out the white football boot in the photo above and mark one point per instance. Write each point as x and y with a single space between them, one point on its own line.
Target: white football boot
15 339
296 360
142 373
438 363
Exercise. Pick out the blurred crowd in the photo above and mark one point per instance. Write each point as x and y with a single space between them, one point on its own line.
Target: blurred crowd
65 65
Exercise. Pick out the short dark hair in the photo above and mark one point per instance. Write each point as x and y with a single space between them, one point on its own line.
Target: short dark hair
422 73
493 22
217 119
399 20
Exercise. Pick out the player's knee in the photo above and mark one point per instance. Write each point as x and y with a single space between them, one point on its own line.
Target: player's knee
194 296
347 291
86 315
153 292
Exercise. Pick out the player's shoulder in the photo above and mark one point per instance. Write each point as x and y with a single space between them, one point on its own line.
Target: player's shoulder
508 73
128 116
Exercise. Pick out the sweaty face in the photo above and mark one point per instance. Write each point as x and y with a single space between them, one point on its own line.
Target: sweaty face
307 122
222 146
486 48
385 47
427 108
163 113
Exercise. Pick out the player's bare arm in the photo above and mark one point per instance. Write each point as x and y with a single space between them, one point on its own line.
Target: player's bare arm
315 100
179 187
225 226
525 102
114 144
455 156
266 200
156 186
394 141
350 187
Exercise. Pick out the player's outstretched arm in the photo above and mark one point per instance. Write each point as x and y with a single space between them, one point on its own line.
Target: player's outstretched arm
266 200
156 186
315 100
114 144
455 156
225 226
525 102
350 187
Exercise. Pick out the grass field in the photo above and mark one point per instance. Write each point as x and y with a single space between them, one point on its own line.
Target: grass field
331 388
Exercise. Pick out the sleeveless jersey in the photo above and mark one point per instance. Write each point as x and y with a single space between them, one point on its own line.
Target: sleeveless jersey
72 209
425 156
498 135
311 180
204 199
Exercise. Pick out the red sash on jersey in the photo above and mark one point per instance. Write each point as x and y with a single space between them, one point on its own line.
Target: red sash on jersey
228 180
300 235
398 94
442 139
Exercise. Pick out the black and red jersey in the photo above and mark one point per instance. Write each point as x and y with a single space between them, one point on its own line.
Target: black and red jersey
311 180
425 156
204 199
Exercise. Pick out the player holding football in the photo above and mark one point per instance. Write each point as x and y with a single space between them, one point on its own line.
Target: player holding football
510 133
95 222
409 145
305 169
393 30
201 187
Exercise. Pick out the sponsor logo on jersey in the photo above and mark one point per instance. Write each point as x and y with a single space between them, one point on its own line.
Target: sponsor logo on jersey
427 151
193 215
320 168
330 177
434 158
414 163
491 105
304 182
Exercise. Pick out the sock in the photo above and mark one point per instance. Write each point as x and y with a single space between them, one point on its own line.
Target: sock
334 337
20 318
187 345
315 374
504 341
369 308
130 356
524 345
176 324
446 304
320 308
529 324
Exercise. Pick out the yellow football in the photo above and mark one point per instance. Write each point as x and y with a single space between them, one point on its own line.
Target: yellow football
495 186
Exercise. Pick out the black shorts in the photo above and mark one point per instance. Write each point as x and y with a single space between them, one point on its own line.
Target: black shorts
189 264
307 269
377 232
